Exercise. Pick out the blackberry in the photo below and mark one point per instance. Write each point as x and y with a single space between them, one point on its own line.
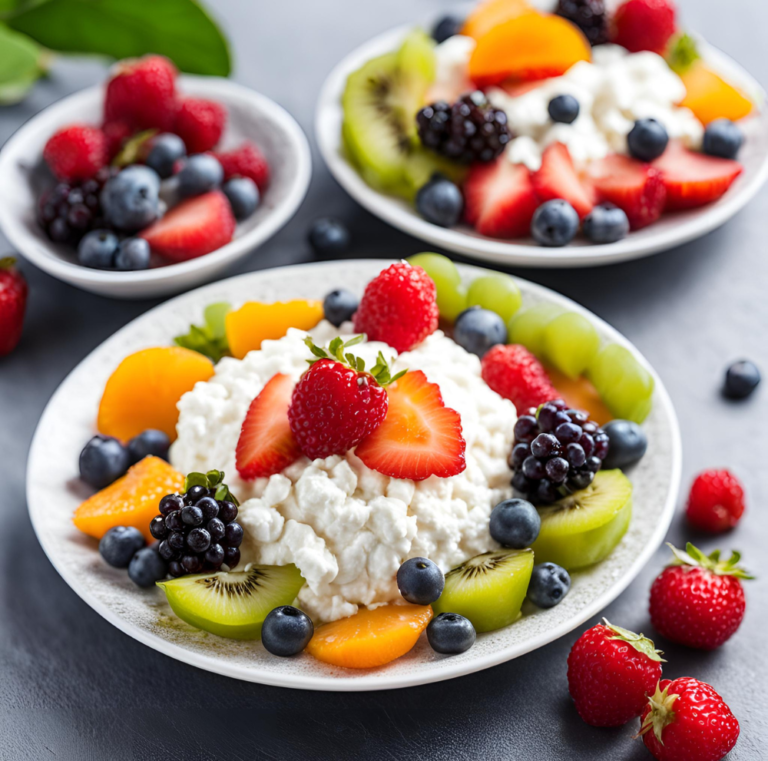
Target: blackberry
589 15
556 451
469 130
197 529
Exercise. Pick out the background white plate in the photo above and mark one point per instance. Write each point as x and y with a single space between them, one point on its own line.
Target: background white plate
672 230
53 493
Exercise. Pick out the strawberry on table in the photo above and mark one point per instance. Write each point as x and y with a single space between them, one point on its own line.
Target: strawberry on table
557 178
698 600
245 161
716 501
644 25
76 152
13 302
200 123
611 673
686 720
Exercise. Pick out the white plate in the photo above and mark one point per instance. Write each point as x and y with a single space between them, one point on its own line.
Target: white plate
672 230
250 116
53 493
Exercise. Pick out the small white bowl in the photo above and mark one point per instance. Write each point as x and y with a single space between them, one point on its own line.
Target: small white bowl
251 116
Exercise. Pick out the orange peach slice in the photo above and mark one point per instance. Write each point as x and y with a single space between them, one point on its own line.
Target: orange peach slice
710 97
491 13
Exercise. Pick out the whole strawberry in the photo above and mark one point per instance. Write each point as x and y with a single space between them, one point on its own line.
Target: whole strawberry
76 152
698 600
644 25
200 123
336 403
13 302
716 501
611 672
514 373
686 720
398 307
245 161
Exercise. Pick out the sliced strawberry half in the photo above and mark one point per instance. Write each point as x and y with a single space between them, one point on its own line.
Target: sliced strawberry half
633 186
419 438
557 178
694 179
499 199
193 228
266 445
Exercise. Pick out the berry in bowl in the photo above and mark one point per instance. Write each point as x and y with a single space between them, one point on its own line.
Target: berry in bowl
152 183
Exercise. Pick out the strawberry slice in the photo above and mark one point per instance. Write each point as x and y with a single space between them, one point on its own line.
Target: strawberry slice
193 228
633 186
419 438
500 199
694 179
266 445
557 178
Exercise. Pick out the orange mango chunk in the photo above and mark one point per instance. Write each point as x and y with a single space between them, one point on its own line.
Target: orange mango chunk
580 394
132 500
710 97
370 638
146 387
255 322
491 13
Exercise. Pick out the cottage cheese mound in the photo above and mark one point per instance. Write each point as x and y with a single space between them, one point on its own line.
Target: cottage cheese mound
348 528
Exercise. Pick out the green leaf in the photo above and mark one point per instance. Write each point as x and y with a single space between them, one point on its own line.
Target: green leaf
682 53
210 339
215 319
22 63
131 152
195 479
179 29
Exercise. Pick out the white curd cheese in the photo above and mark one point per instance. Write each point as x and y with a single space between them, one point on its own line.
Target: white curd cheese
348 528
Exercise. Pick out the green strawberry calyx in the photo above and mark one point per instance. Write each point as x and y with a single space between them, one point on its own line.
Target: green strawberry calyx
337 350
6 262
213 479
661 714
682 53
694 557
640 642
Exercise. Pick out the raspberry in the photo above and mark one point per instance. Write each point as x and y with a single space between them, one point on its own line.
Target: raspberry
76 152
514 373
245 161
398 307
716 501
644 25
200 123
142 93
116 133
589 16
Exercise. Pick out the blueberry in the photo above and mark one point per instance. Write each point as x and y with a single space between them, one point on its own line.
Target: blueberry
563 109
120 544
420 581
173 521
175 569
450 634
440 202
233 535
216 529
166 150
214 555
606 223
199 174
286 631
243 196
191 563
554 223
130 200
209 507
195 493
192 515
102 461
548 586
157 527
231 556
227 511
177 540
626 444
339 306
147 567
515 523
132 254
741 379
446 27
171 502
723 138
477 330
149 442
98 249
647 140
329 236
198 540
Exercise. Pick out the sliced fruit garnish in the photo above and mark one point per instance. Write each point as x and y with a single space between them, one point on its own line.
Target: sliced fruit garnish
625 386
131 500
143 391
633 186
557 178
527 47
491 13
580 394
693 179
255 322
500 199
488 589
419 438
370 638
233 605
266 445
585 527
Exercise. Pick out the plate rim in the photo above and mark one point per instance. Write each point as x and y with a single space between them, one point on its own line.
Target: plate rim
369 682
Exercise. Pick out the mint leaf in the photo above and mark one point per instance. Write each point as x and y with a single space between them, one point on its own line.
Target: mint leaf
209 339
215 319
22 63
179 29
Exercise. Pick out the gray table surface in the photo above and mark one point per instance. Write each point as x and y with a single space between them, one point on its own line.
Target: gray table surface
74 687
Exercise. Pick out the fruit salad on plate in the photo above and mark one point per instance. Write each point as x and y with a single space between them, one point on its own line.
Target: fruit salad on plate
523 123
336 477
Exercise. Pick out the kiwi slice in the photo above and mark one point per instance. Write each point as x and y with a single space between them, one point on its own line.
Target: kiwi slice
583 528
233 604
488 589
